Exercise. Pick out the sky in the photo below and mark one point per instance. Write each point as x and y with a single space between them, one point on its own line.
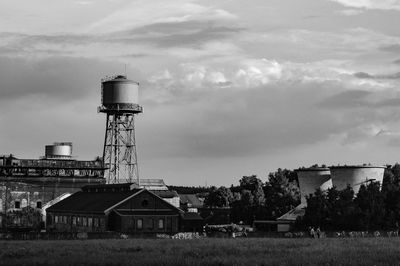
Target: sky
229 88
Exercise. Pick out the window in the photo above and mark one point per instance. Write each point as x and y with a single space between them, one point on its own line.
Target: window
17 204
139 223
24 203
145 203
78 220
151 223
96 222
160 223
84 221
73 220
39 204
90 221
56 219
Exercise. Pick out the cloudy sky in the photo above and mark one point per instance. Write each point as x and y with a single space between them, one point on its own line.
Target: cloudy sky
229 88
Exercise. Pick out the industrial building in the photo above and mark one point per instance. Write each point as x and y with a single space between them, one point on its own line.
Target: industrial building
115 207
35 182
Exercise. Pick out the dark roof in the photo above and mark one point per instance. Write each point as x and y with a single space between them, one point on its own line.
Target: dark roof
89 202
139 212
191 199
191 216
165 193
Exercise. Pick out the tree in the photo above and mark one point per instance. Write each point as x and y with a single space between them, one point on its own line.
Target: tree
281 192
317 211
370 206
255 187
221 197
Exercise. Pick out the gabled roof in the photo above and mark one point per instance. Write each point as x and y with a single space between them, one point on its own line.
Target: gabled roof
293 214
191 199
89 202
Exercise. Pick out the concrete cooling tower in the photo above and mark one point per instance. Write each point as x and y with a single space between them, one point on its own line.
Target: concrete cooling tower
311 179
356 175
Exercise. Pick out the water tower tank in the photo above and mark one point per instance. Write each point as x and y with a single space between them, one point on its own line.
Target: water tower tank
356 175
119 93
311 179
59 150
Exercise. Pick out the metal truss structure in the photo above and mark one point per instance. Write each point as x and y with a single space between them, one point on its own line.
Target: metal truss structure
119 156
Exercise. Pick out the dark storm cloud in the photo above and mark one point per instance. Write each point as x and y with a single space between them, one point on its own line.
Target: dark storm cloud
394 48
358 99
364 75
346 99
394 102
172 34
59 78
176 28
264 120
186 33
231 123
26 41
134 55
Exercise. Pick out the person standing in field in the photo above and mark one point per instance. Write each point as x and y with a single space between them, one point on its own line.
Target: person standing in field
312 232
318 232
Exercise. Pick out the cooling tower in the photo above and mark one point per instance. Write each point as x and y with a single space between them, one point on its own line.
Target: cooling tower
355 176
311 179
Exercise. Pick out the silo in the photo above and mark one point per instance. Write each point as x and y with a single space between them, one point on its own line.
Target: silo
311 179
59 150
356 175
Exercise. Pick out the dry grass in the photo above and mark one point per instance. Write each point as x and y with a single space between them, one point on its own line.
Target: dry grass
265 251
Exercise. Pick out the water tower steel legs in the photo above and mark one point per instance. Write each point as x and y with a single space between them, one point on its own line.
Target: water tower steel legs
119 153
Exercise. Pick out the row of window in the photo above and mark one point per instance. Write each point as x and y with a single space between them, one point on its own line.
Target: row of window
79 221
17 204
139 224
97 222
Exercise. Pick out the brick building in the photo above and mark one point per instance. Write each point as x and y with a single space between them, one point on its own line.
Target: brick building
119 208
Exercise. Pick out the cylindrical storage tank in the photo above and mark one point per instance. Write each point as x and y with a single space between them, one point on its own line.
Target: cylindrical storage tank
355 176
311 179
61 150
120 91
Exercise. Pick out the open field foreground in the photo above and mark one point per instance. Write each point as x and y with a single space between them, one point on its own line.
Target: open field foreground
251 251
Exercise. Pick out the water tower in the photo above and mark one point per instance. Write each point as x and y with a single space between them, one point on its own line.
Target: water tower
119 100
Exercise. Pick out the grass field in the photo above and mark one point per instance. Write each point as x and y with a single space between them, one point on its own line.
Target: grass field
250 251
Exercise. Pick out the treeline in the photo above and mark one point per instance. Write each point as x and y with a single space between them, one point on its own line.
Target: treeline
254 199
374 207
